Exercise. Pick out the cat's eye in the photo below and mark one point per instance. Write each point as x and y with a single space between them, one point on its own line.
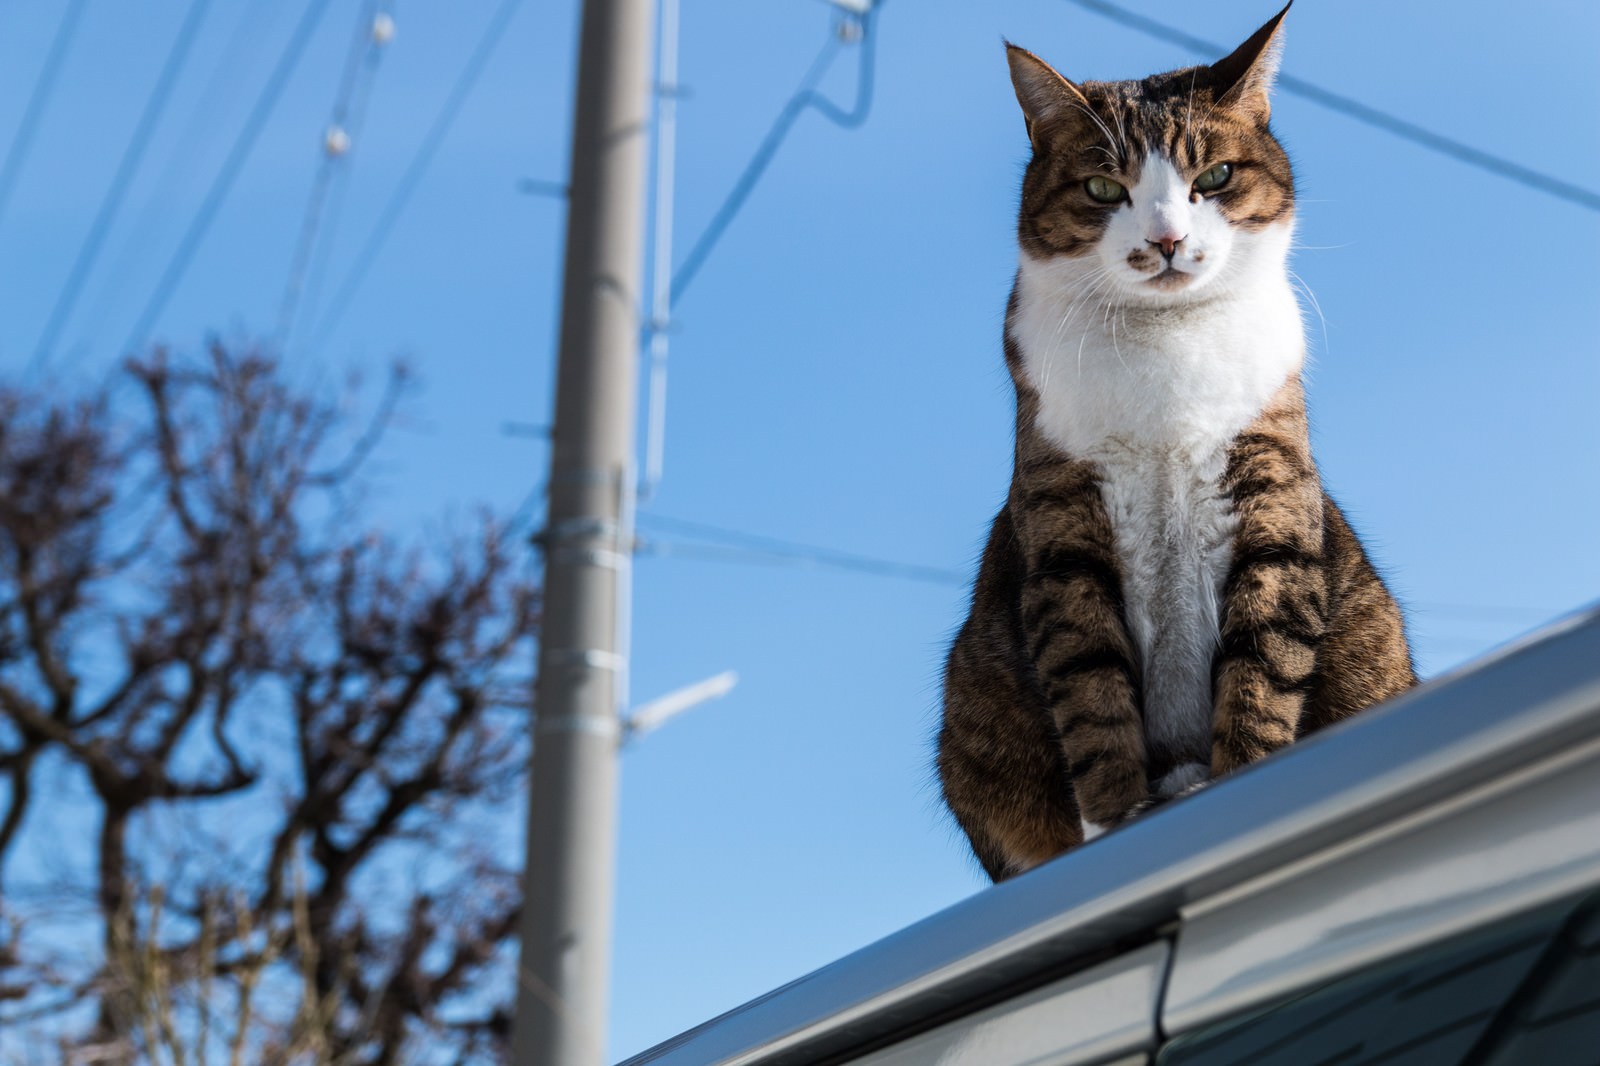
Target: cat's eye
1215 178
1104 190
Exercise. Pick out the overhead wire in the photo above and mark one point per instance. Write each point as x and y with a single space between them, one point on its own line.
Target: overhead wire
43 86
493 33
222 184
668 286
198 131
772 557
360 67
1352 108
317 274
806 96
735 545
731 545
663 198
132 157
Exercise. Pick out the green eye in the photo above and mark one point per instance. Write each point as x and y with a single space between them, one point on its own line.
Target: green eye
1105 190
1215 178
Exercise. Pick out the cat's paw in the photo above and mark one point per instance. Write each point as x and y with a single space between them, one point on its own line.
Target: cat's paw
1016 867
1181 781
1147 804
1095 829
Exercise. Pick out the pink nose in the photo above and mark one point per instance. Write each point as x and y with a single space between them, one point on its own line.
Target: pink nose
1167 242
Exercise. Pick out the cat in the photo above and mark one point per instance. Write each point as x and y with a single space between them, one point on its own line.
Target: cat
1168 593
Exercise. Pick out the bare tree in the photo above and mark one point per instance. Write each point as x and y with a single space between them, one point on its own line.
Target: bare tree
258 767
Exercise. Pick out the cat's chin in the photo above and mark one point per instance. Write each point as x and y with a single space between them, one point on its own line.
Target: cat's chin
1168 288
1170 280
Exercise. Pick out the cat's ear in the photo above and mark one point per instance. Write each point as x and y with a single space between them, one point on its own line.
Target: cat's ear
1244 79
1046 97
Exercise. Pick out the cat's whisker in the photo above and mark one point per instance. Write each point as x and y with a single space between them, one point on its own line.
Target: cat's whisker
1316 305
1122 134
1086 291
1083 296
1107 322
1096 119
1098 281
1188 118
1083 337
1115 347
1113 159
1055 336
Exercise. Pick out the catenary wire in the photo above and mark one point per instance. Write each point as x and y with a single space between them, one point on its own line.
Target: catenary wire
38 100
481 54
317 275
361 60
223 182
1371 116
759 548
731 545
127 168
805 96
770 557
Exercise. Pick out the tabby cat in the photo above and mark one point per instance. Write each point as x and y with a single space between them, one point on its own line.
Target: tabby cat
1167 593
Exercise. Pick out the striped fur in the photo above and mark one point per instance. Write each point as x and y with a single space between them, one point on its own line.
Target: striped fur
1167 594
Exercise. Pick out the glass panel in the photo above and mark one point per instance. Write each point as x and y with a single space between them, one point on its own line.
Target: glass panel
1522 991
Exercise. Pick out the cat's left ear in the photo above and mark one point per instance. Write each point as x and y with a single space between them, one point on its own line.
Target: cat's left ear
1244 79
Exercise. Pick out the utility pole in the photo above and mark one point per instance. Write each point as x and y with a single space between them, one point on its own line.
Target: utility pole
582 684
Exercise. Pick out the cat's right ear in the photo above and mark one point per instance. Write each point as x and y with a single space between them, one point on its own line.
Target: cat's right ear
1046 97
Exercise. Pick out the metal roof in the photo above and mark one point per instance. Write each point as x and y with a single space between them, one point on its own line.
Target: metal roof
1525 704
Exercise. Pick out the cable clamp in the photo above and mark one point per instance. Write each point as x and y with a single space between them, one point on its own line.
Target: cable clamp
600 557
594 725
569 529
589 658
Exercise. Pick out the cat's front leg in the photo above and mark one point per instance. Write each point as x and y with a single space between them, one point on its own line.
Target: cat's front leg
1085 667
1267 666
1275 604
1084 660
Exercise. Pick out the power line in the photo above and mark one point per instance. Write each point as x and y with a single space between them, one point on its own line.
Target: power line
805 96
372 29
223 182
668 286
767 557
318 273
1502 611
752 547
111 203
1371 116
731 545
481 54
196 133
22 141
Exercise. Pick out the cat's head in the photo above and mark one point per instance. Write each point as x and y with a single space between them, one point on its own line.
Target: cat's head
1162 189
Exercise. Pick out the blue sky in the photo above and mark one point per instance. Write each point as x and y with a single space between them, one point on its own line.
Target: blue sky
836 372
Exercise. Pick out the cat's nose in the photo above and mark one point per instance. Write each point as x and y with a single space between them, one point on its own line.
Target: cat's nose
1168 243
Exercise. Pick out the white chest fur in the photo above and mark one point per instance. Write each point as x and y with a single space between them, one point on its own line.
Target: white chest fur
1153 396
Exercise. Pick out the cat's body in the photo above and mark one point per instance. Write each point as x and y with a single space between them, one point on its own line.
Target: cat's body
1167 593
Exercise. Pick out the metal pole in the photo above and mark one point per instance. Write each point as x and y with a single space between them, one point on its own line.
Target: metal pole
566 922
